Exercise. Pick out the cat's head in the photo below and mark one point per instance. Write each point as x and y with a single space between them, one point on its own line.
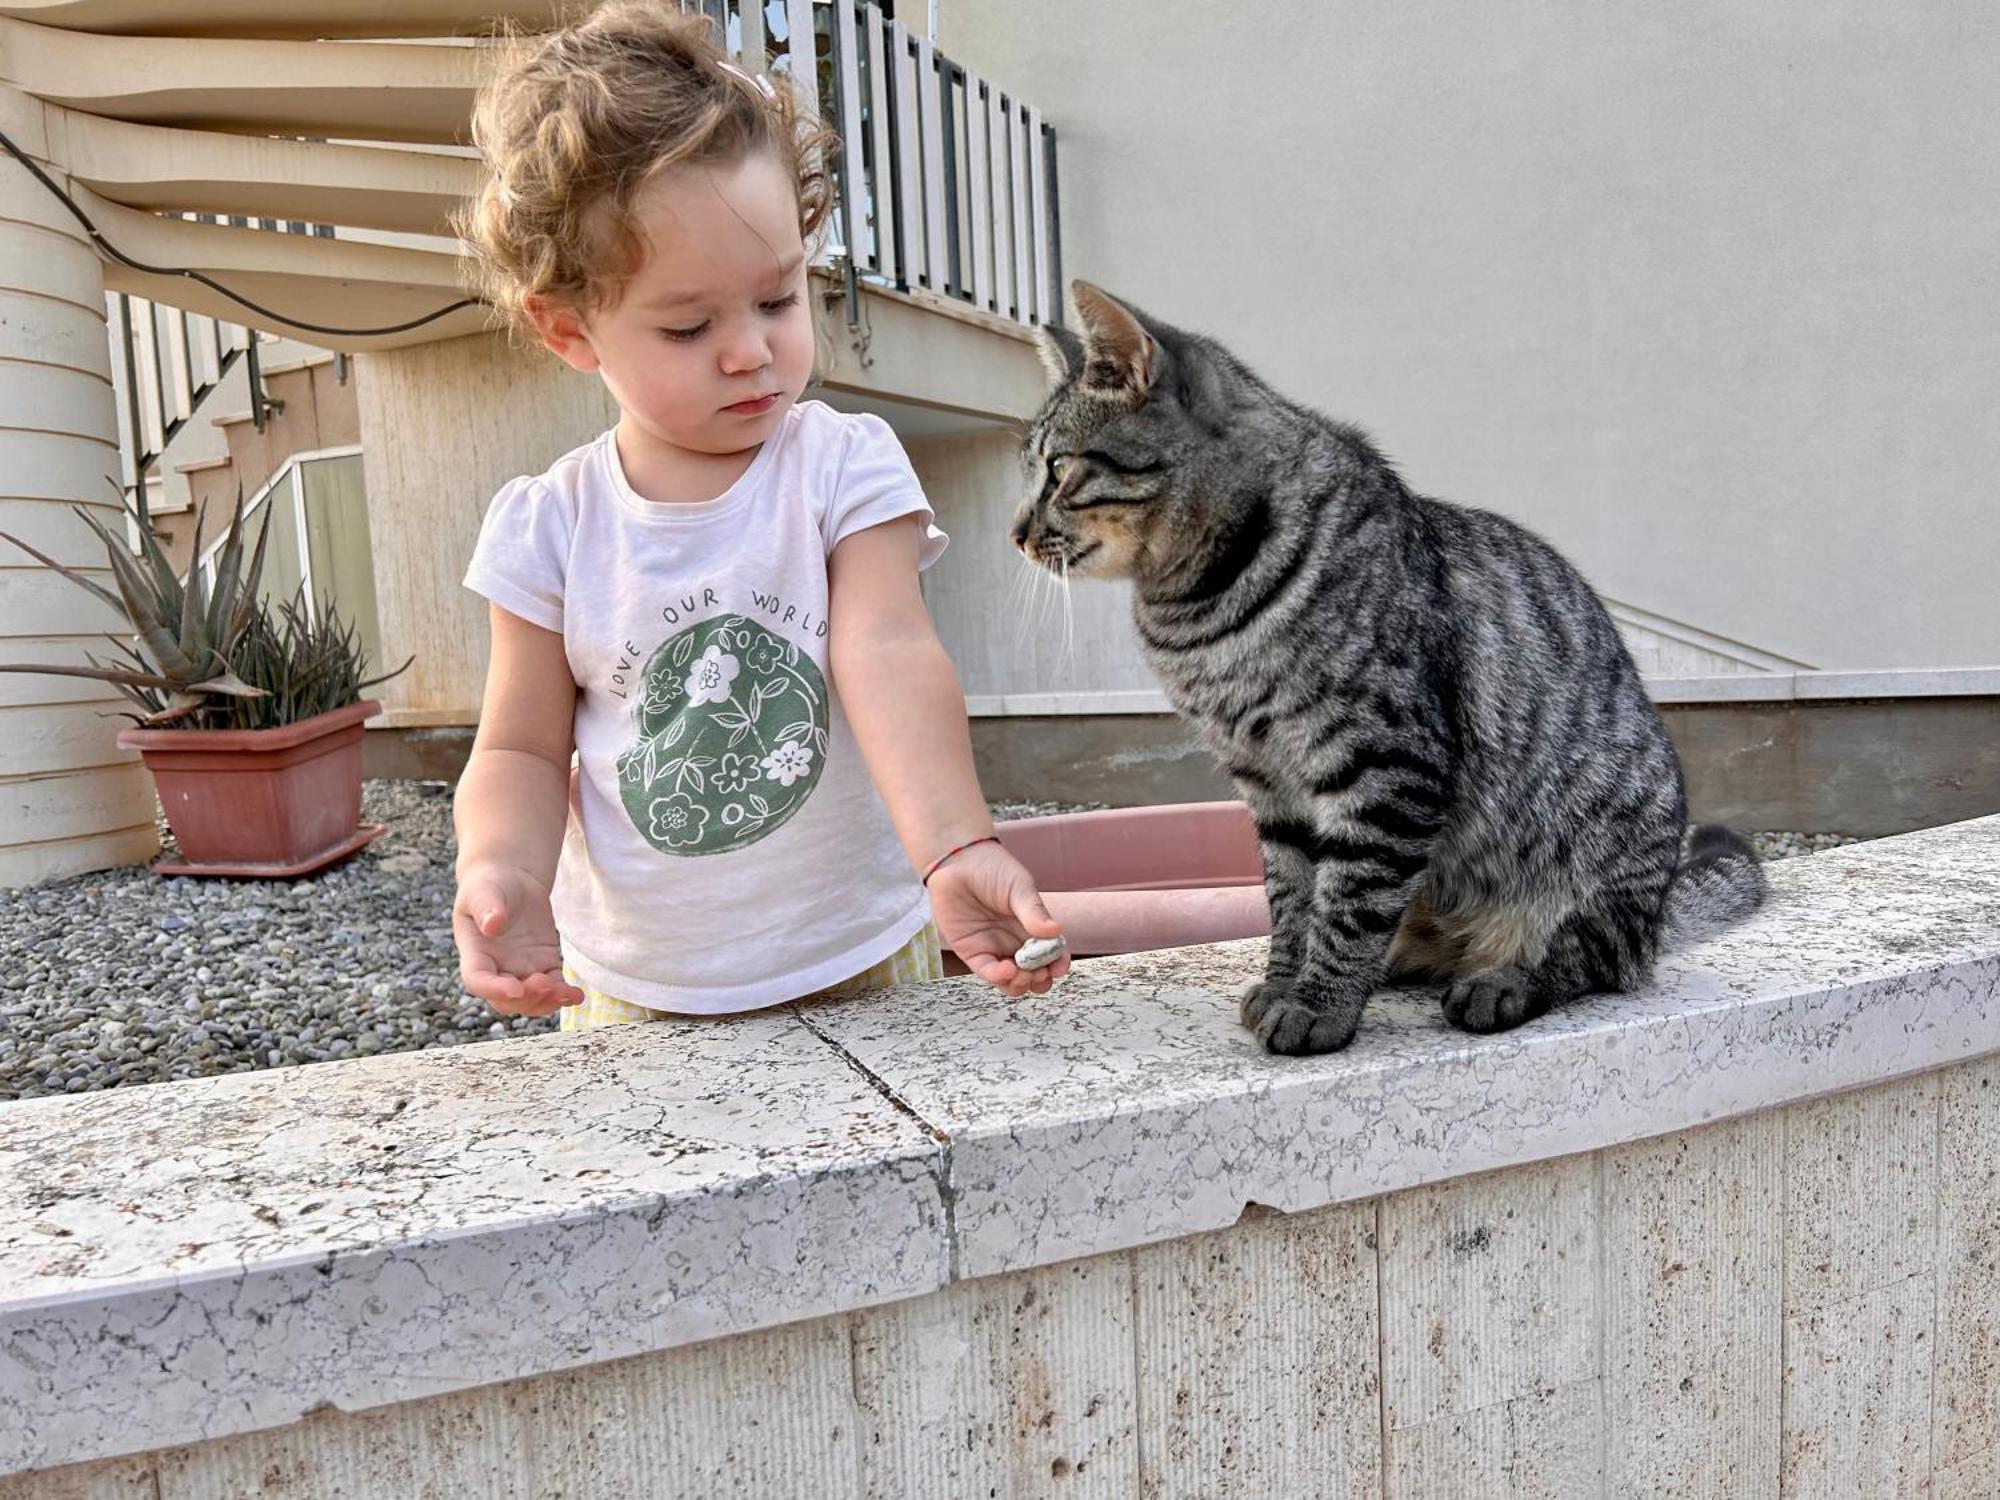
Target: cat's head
1128 464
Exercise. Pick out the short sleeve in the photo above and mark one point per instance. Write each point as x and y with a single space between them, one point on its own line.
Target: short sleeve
522 555
877 484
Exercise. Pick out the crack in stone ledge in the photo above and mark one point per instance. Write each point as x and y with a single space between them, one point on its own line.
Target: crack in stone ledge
946 1182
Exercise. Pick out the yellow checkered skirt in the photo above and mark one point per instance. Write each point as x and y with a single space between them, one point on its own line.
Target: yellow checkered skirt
918 960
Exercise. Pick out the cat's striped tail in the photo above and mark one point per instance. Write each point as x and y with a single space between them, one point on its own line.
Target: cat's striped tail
1720 881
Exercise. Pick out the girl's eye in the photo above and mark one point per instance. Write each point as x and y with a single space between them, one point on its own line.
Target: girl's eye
790 299
683 335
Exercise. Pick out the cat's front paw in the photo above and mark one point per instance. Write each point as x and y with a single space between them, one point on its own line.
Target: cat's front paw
1289 1026
1492 1002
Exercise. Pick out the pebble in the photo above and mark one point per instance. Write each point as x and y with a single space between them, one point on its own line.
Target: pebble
119 977
1039 953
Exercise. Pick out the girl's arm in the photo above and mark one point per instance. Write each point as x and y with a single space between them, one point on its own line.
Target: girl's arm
510 809
903 700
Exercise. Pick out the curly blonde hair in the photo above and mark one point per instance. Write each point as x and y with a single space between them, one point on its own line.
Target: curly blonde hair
576 123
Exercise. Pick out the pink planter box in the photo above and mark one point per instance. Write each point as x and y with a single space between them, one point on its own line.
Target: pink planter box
1128 880
260 802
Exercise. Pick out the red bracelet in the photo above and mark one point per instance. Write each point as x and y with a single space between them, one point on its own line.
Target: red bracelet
991 838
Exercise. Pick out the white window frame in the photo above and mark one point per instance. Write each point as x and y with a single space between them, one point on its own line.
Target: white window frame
291 472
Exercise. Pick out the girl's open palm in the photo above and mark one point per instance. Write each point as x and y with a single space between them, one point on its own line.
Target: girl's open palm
508 952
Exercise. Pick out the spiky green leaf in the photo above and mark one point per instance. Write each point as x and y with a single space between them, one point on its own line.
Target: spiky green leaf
102 674
247 604
142 606
193 642
230 683
228 574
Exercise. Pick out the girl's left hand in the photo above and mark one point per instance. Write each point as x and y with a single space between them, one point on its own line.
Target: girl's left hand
986 906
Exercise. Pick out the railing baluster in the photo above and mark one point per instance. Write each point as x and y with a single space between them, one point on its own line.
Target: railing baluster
1018 179
1003 237
1055 228
131 441
932 146
980 191
180 376
258 406
882 180
909 187
954 180
847 102
1046 294
802 63
209 340
803 52
750 23
146 382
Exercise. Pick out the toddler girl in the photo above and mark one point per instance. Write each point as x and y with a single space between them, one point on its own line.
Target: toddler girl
714 606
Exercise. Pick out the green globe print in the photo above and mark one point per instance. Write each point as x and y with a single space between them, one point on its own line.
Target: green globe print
732 737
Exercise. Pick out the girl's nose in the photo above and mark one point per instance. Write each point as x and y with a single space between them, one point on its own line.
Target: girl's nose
746 350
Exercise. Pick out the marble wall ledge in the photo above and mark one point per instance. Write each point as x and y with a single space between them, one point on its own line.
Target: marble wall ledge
1129 1107
193 1260
188 1261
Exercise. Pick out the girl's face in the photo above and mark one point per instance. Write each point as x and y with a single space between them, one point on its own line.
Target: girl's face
711 342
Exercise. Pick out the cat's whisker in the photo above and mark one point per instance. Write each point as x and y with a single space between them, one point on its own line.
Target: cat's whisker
1031 604
1050 588
1017 599
1069 621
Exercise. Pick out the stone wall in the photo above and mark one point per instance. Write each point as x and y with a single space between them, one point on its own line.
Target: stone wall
1736 1236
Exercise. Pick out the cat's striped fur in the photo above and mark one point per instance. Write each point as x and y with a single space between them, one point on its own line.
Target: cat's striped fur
1453 768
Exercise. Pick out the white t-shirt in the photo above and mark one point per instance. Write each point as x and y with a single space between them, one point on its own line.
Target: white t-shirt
726 847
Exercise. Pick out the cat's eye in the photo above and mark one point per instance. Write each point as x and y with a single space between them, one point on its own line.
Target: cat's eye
1059 465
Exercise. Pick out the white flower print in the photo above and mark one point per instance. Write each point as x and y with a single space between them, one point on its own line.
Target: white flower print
659 695
712 678
735 773
788 763
677 821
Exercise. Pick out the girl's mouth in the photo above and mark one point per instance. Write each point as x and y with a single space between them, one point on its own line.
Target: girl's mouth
754 408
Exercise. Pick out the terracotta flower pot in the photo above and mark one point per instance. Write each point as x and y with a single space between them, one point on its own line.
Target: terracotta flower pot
1132 879
261 802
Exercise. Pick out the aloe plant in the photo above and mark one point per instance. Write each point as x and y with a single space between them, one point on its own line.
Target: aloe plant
183 661
304 661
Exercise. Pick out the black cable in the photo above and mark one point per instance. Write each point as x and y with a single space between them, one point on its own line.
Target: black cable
97 236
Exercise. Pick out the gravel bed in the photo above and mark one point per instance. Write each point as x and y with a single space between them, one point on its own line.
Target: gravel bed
120 977
1786 845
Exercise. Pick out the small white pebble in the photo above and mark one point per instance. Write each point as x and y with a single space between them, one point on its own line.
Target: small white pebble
1039 953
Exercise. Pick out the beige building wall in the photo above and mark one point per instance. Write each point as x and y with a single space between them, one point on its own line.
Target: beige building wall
443 426
1705 293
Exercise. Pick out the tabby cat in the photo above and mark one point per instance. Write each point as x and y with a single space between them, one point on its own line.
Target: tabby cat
1454 772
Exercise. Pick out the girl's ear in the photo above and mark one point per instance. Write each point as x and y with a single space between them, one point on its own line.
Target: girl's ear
562 331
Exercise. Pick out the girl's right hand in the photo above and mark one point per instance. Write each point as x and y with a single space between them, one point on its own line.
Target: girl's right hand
508 952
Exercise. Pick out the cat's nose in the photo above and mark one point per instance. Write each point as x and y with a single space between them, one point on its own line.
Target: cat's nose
1020 534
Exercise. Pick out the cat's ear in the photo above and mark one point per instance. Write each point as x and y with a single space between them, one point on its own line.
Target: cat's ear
1061 352
1118 352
